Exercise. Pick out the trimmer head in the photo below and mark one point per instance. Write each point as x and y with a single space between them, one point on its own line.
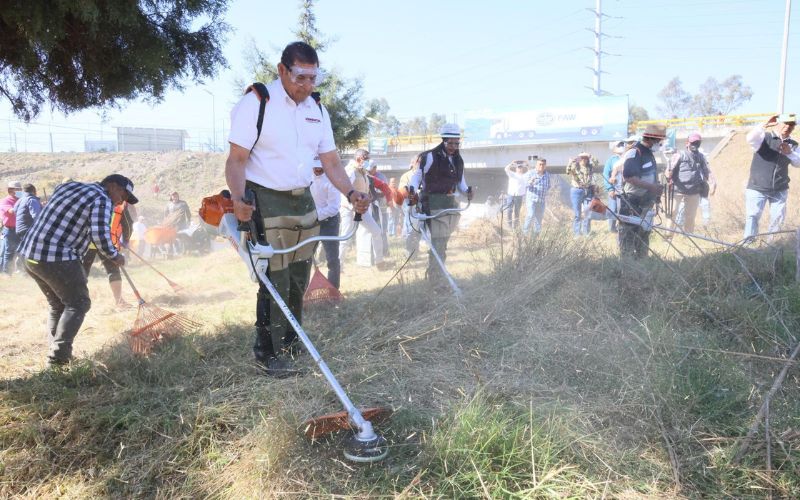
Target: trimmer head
365 450
317 427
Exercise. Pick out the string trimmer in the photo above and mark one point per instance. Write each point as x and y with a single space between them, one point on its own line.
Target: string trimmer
414 213
364 445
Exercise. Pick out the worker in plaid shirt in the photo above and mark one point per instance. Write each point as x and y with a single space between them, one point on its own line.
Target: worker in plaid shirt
537 182
76 214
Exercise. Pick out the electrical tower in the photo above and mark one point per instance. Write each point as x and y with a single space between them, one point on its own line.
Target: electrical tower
597 70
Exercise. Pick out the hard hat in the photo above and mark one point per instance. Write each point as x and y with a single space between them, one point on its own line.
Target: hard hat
655 131
694 137
450 130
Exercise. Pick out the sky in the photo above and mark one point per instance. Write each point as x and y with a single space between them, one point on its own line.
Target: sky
449 57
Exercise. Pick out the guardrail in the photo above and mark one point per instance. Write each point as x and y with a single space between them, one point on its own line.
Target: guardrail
699 122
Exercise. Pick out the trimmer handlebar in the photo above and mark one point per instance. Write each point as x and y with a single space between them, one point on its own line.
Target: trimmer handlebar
250 228
421 216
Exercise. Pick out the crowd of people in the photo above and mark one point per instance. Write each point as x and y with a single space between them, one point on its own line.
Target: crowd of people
283 162
631 184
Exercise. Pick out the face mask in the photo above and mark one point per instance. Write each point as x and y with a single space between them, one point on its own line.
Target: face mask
366 164
656 147
18 194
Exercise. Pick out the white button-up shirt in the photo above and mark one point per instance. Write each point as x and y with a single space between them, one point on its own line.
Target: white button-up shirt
326 197
516 184
291 136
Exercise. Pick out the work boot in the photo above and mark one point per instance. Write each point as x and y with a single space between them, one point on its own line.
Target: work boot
293 348
262 348
273 366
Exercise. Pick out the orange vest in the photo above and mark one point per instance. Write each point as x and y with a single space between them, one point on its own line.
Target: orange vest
116 223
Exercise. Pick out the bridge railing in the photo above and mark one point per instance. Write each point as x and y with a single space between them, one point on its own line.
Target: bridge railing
701 122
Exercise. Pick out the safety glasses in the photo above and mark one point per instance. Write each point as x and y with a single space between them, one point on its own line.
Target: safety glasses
306 76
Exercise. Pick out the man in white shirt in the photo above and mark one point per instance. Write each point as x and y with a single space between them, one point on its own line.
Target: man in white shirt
356 171
276 165
328 199
773 152
515 195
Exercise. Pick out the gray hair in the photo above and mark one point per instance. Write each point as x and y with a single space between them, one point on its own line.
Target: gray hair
360 153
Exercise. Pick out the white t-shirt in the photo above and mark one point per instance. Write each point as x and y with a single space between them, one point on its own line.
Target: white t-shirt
291 136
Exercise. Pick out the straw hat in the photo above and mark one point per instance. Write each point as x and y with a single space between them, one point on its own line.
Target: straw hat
655 131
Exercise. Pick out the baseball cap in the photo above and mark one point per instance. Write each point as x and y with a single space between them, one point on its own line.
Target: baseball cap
121 180
790 118
14 185
694 137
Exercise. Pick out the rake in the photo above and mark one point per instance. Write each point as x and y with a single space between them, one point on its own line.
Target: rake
154 324
175 287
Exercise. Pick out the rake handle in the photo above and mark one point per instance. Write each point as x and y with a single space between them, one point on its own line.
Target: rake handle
130 282
151 266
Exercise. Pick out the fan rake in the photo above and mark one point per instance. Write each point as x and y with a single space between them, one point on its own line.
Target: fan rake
154 324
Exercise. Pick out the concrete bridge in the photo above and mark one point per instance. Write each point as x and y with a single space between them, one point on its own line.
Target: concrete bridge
484 165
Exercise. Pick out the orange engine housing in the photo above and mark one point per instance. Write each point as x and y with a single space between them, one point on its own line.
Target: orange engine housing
214 207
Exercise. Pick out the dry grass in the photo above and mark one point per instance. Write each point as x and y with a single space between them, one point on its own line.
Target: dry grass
563 372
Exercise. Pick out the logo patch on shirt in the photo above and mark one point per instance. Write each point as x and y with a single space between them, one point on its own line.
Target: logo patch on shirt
312 120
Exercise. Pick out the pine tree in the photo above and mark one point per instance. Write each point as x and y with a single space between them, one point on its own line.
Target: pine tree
342 97
93 53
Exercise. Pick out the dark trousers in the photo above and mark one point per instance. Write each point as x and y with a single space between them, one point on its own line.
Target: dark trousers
272 328
330 227
64 286
633 240
513 207
112 270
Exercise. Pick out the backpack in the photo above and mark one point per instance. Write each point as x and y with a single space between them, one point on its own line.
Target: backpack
263 97
695 183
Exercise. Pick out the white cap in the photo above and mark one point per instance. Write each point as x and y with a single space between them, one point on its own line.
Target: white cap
450 130
14 185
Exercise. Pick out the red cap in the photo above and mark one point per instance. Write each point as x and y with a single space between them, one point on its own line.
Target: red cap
694 137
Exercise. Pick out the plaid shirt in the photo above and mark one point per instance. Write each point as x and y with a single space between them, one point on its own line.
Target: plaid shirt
537 185
76 214
580 175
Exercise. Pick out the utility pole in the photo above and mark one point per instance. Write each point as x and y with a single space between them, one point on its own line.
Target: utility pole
784 54
213 119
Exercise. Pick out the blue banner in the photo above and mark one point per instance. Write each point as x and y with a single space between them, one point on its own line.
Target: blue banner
581 120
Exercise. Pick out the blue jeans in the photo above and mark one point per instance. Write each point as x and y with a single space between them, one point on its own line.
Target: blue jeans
535 214
705 210
394 219
755 201
10 243
409 234
612 220
579 197
330 227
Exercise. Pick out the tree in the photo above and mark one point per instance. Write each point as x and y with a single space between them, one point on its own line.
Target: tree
342 97
415 126
716 98
435 123
636 114
677 102
95 53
